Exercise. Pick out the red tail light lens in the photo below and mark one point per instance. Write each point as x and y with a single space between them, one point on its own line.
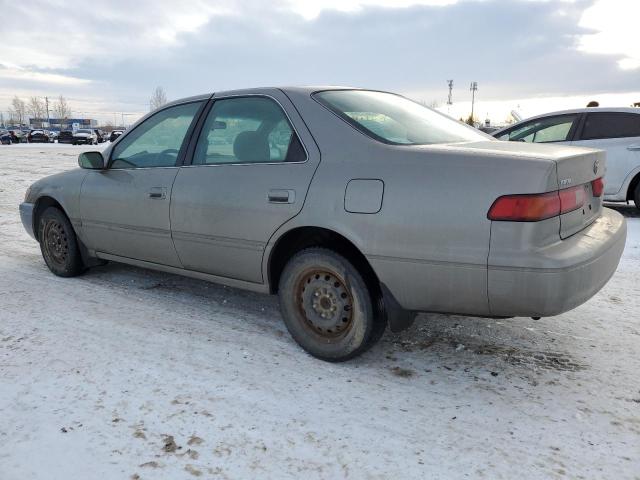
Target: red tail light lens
525 208
597 186
572 199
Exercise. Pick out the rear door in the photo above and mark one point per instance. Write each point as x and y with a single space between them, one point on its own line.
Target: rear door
249 173
618 134
125 208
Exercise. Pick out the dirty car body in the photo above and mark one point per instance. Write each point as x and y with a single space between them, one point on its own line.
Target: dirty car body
277 189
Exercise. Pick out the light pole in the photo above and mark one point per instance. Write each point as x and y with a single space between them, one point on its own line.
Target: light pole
473 88
46 101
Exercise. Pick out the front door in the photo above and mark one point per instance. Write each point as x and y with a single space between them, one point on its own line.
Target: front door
249 174
125 208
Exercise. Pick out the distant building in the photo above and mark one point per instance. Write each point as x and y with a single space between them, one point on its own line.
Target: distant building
66 123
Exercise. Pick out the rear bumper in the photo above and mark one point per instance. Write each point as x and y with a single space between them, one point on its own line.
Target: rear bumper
26 215
560 276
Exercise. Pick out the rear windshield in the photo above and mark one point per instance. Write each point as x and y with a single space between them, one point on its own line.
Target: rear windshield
84 131
394 119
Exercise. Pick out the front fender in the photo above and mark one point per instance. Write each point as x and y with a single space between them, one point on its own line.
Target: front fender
62 189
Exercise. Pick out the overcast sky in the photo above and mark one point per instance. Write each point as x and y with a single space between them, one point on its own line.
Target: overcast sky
108 56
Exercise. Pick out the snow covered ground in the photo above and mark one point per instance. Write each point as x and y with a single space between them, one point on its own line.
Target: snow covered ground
126 373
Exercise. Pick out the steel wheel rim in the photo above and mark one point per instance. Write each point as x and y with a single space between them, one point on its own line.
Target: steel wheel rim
56 243
325 303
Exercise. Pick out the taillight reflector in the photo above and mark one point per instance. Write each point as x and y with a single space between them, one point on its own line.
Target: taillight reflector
525 208
598 187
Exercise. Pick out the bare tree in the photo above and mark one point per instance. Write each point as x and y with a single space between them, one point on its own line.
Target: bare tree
61 109
158 98
36 108
18 110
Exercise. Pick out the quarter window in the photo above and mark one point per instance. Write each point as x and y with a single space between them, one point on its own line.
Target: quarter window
157 141
247 130
611 125
542 130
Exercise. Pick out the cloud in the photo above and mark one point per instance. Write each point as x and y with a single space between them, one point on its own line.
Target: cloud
513 49
25 75
615 30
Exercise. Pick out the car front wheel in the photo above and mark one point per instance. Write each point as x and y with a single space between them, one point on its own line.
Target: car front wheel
58 244
327 306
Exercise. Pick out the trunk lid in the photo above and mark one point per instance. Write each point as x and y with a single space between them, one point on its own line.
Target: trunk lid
576 169
575 174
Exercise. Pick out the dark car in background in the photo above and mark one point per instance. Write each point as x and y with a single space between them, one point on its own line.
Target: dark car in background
39 136
5 138
115 134
101 134
65 136
17 136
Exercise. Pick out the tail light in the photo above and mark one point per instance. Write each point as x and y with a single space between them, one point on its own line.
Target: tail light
525 208
540 206
572 198
597 186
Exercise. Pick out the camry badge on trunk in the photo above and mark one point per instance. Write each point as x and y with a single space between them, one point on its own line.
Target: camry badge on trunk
596 164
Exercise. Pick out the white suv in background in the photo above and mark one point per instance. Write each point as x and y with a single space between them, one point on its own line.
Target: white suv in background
615 130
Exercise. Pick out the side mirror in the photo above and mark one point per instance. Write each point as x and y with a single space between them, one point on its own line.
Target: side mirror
91 160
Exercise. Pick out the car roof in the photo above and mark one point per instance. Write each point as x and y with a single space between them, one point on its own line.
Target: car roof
635 110
247 91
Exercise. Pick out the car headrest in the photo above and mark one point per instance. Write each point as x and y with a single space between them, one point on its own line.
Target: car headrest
251 147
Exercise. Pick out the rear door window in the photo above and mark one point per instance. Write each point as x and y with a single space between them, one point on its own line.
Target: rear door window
610 125
247 130
542 130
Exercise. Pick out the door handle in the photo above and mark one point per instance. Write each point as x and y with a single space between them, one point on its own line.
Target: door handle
158 192
634 148
281 196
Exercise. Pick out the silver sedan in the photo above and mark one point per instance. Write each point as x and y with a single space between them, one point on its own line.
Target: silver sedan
358 208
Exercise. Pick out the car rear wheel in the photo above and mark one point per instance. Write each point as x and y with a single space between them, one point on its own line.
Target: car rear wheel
327 306
58 244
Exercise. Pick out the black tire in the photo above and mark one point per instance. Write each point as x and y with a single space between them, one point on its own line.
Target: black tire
58 244
636 196
327 306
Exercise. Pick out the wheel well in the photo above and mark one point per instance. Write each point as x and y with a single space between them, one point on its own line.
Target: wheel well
305 237
632 186
41 205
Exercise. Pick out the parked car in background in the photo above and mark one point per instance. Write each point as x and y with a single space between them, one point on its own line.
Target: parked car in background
65 136
614 130
39 136
54 134
5 138
356 207
101 135
17 136
115 134
85 136
488 129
